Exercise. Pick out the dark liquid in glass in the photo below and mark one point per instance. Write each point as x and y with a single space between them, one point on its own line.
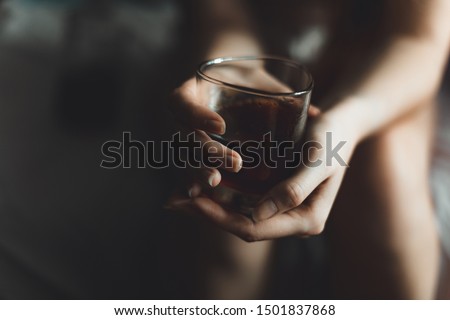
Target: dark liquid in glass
253 120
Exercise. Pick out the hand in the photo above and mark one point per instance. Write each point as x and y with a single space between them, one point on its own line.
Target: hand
200 119
197 117
297 206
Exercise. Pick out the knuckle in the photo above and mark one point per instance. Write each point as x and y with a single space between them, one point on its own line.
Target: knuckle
248 239
249 234
316 227
294 194
315 231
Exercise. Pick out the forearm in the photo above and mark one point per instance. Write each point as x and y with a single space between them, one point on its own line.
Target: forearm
407 73
224 28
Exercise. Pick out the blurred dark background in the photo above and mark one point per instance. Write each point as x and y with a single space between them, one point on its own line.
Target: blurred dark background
74 74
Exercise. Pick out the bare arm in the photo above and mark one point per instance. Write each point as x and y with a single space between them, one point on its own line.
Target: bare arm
407 72
408 69
224 28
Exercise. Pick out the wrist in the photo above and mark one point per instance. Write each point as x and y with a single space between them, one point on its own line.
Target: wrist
354 116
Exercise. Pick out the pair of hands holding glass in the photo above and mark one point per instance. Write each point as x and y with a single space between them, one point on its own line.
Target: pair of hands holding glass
299 205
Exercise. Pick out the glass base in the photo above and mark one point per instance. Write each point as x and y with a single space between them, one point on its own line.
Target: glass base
235 200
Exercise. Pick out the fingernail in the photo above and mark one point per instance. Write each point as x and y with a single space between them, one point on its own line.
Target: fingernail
212 178
194 191
215 126
265 210
234 163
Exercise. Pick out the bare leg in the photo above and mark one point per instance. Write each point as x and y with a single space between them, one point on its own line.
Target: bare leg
382 228
243 273
383 234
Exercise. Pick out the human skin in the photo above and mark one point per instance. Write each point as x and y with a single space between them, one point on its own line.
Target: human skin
387 233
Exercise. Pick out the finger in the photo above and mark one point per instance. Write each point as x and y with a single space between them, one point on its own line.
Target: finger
176 199
203 178
184 191
283 225
309 218
305 220
287 224
200 151
300 221
289 193
214 154
194 189
182 195
206 177
232 222
187 108
313 111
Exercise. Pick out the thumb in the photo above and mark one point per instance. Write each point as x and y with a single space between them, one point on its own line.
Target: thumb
288 194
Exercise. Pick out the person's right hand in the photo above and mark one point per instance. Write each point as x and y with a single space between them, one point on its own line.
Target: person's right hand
198 118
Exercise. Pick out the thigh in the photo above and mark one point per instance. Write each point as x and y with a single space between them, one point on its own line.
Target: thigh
383 237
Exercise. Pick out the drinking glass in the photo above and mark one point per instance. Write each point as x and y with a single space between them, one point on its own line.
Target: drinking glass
264 102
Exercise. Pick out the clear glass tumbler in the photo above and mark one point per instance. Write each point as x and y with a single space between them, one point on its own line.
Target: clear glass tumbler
264 102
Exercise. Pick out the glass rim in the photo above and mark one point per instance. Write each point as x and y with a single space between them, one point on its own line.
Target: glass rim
216 61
